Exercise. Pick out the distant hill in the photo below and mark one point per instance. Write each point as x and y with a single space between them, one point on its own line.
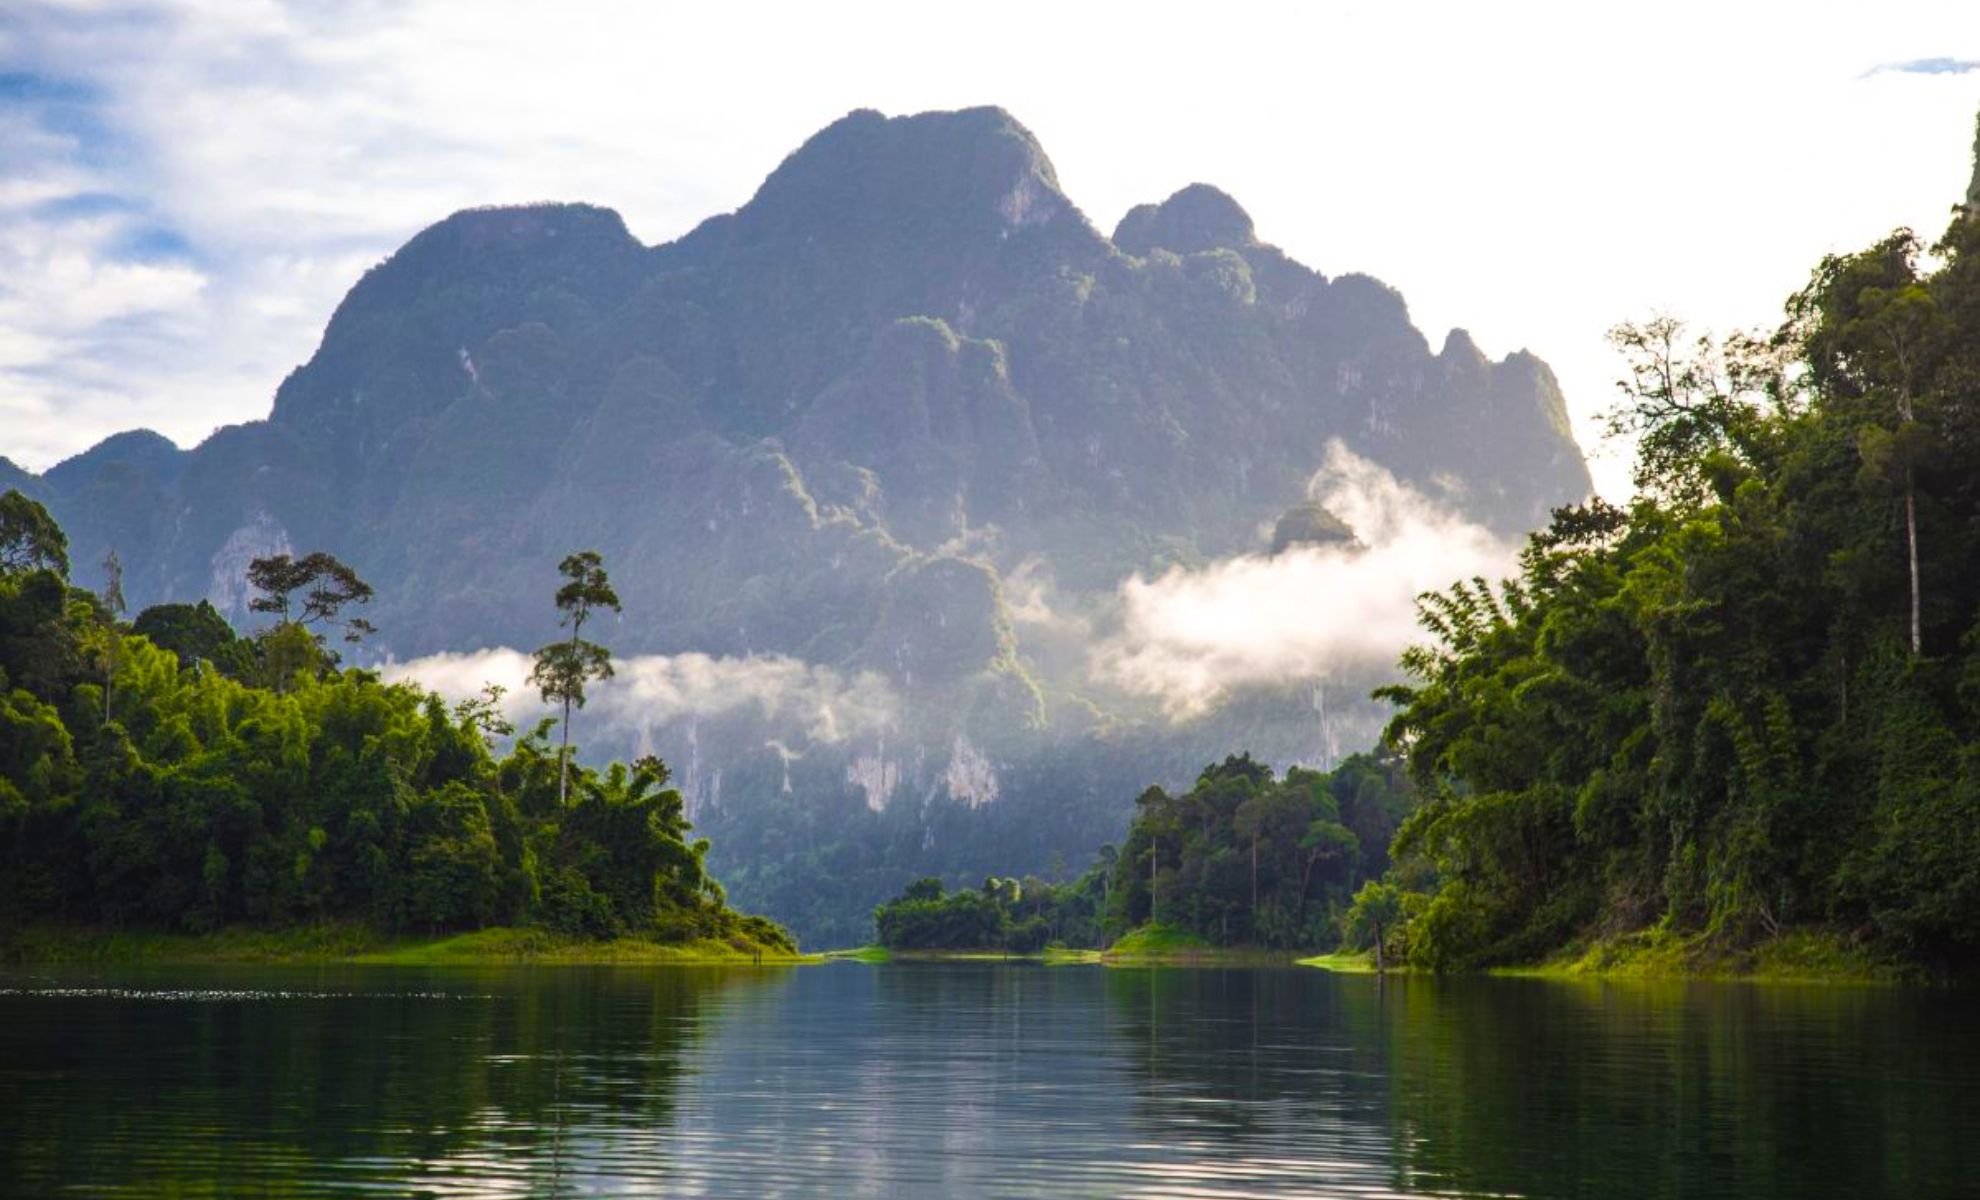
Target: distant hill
837 424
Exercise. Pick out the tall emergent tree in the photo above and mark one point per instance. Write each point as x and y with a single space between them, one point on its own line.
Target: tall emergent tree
1873 337
324 585
563 667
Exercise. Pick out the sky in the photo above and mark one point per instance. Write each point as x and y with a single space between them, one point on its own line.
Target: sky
188 189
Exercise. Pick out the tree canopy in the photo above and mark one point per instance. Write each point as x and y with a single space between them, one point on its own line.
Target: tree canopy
205 799
1242 858
1750 701
30 540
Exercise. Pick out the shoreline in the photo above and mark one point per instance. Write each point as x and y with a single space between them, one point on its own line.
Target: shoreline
1809 957
1179 956
1804 957
336 944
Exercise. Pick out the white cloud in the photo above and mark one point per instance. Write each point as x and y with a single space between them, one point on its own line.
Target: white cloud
1189 638
798 700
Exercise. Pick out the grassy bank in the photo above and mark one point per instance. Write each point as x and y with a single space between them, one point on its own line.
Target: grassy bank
1350 962
1150 945
349 943
1798 956
1147 946
1166 945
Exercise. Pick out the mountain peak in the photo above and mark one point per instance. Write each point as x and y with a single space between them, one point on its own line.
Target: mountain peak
141 448
1197 218
973 170
540 242
1460 347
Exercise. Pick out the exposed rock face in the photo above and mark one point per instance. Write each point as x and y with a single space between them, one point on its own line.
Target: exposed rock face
262 536
832 425
1310 524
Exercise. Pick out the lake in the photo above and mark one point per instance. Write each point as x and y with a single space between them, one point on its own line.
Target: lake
930 1080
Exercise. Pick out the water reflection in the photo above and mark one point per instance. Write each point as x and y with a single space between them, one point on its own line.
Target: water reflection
1487 1087
1685 1089
309 1081
916 1080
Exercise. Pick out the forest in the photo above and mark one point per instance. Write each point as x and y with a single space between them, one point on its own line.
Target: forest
166 773
1244 857
1749 702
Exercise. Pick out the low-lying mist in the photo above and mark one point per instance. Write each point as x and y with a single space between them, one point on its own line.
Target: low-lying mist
650 691
1188 638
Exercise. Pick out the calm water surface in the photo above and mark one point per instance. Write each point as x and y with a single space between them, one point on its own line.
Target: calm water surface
921 1080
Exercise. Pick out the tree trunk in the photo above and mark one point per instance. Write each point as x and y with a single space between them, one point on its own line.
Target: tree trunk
1911 547
564 758
1907 414
1306 880
1254 882
1381 967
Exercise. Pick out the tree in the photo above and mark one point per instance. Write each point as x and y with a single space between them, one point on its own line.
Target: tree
1325 841
484 714
326 586
1104 863
1870 328
30 540
1375 914
196 632
563 668
926 888
1682 404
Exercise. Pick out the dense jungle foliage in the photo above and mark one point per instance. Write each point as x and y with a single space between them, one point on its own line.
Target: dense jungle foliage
1751 700
170 774
1242 858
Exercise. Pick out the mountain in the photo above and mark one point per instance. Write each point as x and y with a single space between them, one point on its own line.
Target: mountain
906 417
